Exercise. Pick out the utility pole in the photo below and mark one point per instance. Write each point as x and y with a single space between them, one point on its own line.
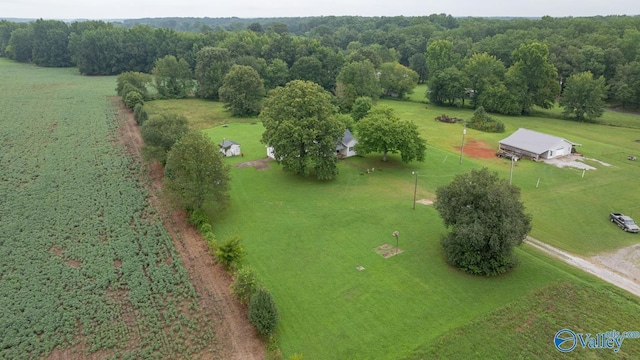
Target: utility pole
511 173
464 132
415 189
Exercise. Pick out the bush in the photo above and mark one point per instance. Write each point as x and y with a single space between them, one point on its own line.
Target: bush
483 122
245 284
212 242
231 253
132 99
140 114
198 218
136 80
263 313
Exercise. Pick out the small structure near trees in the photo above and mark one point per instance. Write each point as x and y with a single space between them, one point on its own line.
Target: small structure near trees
536 145
346 146
230 148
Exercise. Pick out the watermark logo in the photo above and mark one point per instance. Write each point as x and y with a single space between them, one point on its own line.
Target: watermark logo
566 340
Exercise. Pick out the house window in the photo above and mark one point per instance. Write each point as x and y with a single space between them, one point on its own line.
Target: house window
351 148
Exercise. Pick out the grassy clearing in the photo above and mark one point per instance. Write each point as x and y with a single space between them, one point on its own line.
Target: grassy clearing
86 262
202 114
306 238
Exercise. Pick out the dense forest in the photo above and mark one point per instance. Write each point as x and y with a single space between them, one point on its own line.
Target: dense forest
505 65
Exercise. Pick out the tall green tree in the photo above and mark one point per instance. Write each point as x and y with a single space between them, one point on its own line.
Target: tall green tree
242 91
357 79
584 97
98 52
486 220
163 130
397 80
307 68
447 86
20 46
626 85
276 74
440 56
483 71
301 125
172 77
539 76
50 43
212 64
382 131
195 172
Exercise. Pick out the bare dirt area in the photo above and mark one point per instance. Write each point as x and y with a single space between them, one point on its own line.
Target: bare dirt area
478 149
238 340
620 268
261 164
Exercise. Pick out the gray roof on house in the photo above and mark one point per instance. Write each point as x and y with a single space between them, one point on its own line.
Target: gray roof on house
533 141
346 139
228 143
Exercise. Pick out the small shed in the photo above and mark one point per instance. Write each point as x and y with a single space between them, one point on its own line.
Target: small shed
270 152
347 145
536 145
230 148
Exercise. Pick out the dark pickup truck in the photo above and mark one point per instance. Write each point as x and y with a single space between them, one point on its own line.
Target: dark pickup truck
624 222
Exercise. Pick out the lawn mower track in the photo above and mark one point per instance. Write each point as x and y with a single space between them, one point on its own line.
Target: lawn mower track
237 338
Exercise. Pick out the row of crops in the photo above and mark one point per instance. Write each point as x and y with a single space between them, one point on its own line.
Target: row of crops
85 263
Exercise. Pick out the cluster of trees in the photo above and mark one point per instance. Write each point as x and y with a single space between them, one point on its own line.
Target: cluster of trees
516 63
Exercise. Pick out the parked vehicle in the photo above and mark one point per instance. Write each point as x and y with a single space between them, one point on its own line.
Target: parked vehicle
624 222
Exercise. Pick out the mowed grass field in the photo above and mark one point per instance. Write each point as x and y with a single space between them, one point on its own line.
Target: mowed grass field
87 269
307 238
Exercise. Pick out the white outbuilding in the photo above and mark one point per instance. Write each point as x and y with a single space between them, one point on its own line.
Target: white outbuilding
230 148
536 145
347 145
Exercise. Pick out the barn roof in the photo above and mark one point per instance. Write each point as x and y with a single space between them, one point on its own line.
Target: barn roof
533 141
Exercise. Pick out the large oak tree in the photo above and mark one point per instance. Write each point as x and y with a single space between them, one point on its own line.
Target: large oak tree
486 219
301 125
382 131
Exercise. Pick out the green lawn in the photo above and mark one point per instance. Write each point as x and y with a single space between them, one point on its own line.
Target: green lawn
306 238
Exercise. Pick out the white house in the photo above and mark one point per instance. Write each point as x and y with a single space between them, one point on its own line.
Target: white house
230 148
536 145
346 146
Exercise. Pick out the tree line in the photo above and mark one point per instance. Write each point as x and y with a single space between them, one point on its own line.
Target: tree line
506 66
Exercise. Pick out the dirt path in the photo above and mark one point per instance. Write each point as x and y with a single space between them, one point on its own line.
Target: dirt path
238 339
600 266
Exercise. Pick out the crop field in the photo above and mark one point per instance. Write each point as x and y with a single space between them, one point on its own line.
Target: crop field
87 269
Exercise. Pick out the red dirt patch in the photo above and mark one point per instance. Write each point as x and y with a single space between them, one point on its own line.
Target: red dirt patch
477 149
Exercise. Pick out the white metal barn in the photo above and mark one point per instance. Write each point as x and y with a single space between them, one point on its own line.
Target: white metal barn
346 146
536 145
230 148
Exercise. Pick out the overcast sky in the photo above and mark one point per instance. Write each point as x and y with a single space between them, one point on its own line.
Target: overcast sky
131 9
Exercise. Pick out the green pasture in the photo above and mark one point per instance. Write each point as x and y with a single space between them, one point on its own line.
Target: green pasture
307 238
